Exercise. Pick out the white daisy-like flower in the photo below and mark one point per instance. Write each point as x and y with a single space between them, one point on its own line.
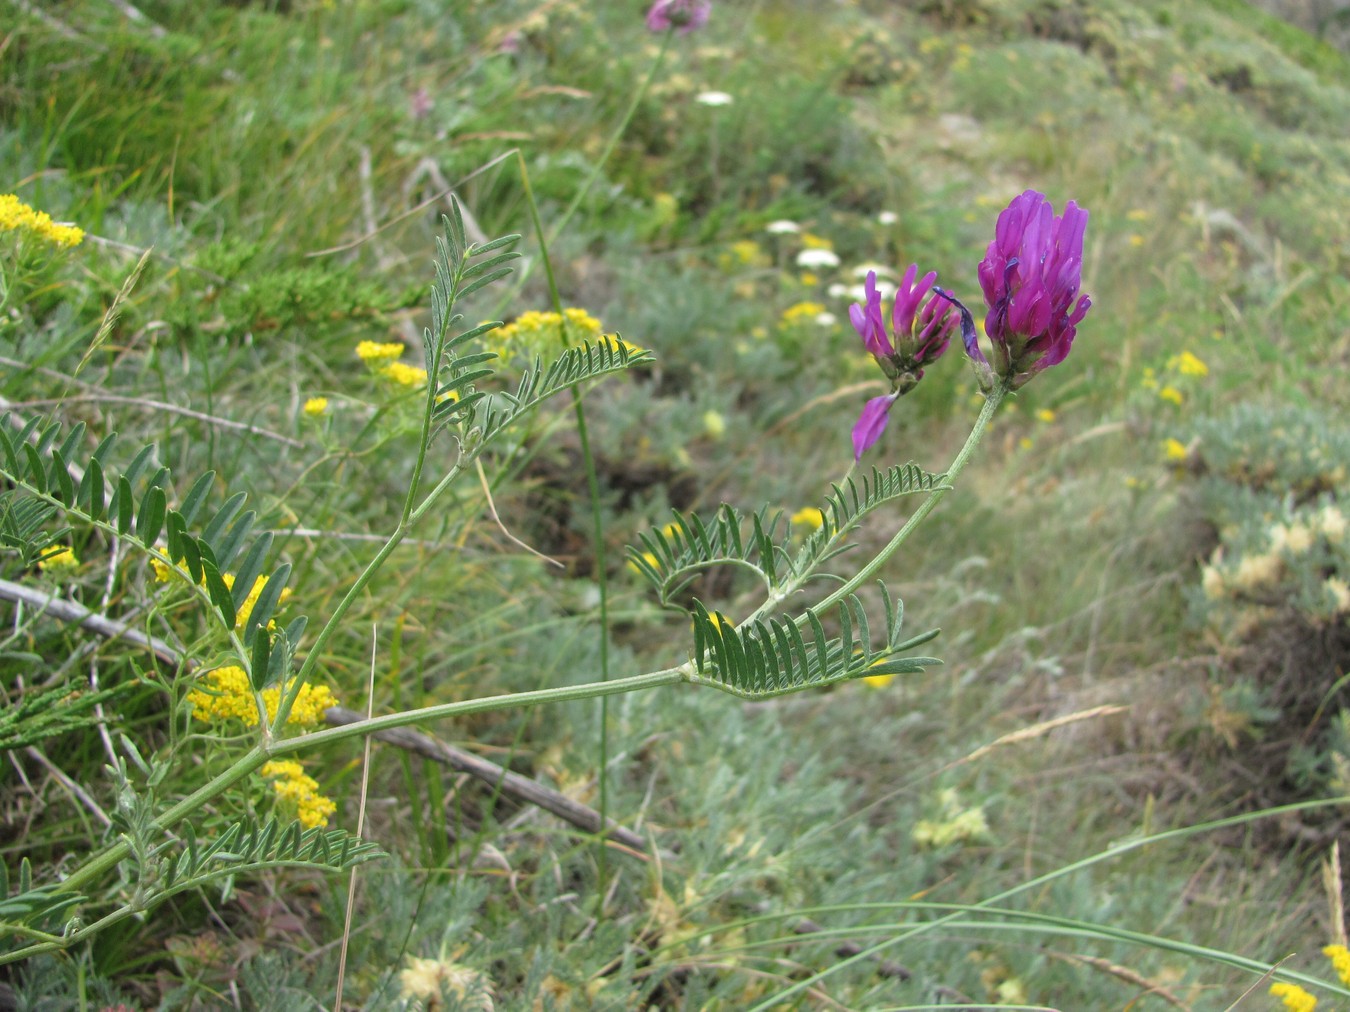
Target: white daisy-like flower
838 290
713 98
782 227
881 270
887 218
813 258
858 293
826 319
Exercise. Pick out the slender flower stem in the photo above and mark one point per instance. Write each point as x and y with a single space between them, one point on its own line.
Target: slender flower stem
597 521
508 701
590 180
614 138
992 401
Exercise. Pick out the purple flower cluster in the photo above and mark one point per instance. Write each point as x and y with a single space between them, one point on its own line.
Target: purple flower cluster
1030 276
685 15
921 336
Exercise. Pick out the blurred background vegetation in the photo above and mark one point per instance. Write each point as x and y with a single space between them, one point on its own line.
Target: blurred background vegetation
1151 527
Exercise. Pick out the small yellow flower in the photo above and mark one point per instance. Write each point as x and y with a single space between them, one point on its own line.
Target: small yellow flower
225 694
293 786
316 406
812 241
1137 215
404 374
627 346
163 571
808 516
1174 449
1293 997
1340 961
802 311
1171 393
878 681
714 424
747 251
581 324
1025 443
1136 240
62 558
1045 415
374 352
242 613
809 280
1187 365
650 558
1149 380
15 215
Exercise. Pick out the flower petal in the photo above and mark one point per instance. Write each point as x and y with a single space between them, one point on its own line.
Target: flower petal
871 423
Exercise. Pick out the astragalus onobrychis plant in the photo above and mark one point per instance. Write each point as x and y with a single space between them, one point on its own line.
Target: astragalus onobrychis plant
256 673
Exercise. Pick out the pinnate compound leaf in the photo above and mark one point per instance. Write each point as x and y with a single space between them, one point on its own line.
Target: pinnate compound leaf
766 658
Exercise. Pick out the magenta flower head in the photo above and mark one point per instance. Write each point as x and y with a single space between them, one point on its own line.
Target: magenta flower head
921 335
1030 276
686 15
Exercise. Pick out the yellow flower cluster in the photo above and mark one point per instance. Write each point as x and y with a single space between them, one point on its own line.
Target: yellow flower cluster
1340 960
299 790
878 681
165 572
1174 449
1187 365
812 241
1293 997
534 330
1181 369
374 352
403 374
226 695
15 215
316 406
959 824
62 558
802 311
808 516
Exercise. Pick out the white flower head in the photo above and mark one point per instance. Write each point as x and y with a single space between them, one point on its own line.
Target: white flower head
782 227
826 319
838 290
887 218
813 258
713 98
858 293
881 270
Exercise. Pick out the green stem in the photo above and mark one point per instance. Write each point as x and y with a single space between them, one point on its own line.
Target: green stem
862 576
508 701
602 579
108 859
597 525
614 138
590 180
992 400
257 756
